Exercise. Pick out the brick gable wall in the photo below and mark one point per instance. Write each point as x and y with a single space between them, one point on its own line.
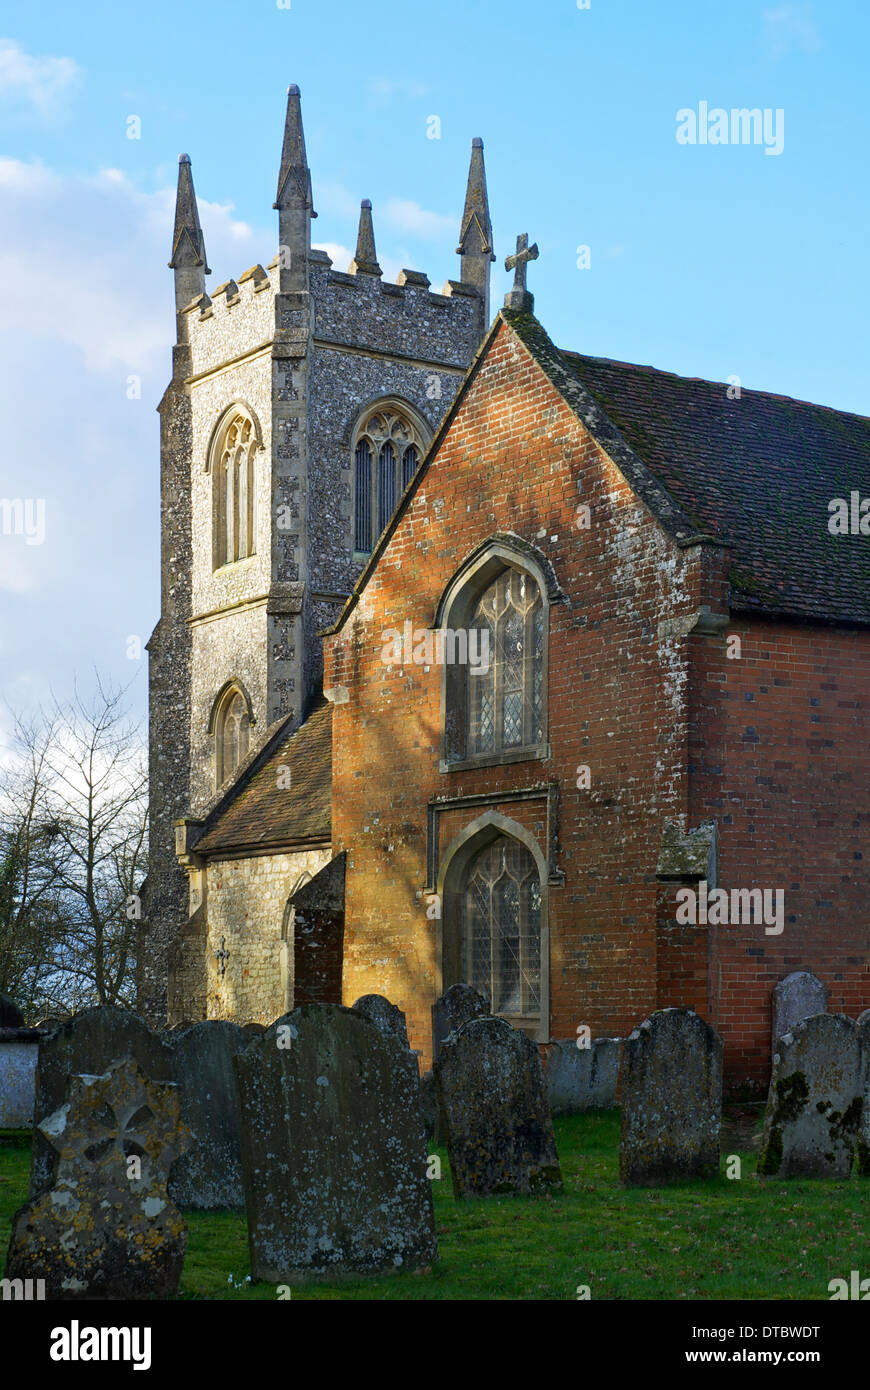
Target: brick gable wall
516 459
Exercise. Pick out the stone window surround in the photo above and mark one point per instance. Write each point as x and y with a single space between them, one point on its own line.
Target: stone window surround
447 879
228 692
455 608
225 419
419 427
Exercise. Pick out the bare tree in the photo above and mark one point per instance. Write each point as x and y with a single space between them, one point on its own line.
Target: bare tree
75 873
30 920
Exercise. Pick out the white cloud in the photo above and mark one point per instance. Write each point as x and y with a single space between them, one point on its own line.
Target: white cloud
109 243
88 302
407 216
39 83
790 27
341 257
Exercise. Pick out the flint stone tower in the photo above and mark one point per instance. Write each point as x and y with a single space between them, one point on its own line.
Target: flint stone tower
273 377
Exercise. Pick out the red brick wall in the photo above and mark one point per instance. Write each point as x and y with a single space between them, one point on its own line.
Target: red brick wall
683 964
780 745
517 459
318 949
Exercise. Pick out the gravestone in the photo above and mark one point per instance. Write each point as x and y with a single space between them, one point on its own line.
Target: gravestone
800 995
671 1100
457 1005
10 1014
19 1051
815 1100
582 1078
89 1044
106 1230
334 1153
498 1127
384 1015
208 1176
429 1101
863 1144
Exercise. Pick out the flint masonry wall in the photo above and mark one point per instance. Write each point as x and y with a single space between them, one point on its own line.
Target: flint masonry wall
517 459
780 751
169 665
245 901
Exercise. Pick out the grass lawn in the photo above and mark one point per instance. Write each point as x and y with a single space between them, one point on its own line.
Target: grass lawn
750 1238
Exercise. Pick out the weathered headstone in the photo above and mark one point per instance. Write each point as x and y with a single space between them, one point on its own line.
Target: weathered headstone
798 996
499 1132
429 1100
582 1078
19 1050
89 1044
863 1144
384 1015
106 1229
10 1014
333 1149
457 1005
208 1176
815 1100
671 1100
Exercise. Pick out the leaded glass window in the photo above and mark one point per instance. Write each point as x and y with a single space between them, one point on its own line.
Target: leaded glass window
502 928
386 484
363 520
387 453
505 702
409 465
232 735
236 501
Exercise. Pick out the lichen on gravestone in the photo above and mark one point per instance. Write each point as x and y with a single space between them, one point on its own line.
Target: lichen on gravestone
106 1229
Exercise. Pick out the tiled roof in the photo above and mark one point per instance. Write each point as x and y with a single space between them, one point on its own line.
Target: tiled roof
758 471
265 812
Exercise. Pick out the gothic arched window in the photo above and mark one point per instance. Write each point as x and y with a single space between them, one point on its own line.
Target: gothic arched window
501 928
493 626
504 703
232 731
235 490
388 449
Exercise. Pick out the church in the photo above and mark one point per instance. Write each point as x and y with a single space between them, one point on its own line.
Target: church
478 659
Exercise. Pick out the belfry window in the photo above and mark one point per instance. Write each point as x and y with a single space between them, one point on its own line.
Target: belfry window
501 904
388 449
235 485
232 729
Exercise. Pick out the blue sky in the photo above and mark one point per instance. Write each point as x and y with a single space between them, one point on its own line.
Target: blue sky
708 260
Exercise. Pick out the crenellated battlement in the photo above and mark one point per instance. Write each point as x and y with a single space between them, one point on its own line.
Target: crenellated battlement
407 318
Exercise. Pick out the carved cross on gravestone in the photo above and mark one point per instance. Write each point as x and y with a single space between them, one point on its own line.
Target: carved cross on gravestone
222 956
519 297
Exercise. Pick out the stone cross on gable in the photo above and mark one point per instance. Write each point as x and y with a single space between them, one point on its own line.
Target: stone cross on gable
519 297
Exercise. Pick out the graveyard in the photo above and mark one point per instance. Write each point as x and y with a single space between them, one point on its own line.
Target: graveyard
311 1160
710 1241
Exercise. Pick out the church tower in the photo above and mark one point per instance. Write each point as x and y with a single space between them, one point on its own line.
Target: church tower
301 402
